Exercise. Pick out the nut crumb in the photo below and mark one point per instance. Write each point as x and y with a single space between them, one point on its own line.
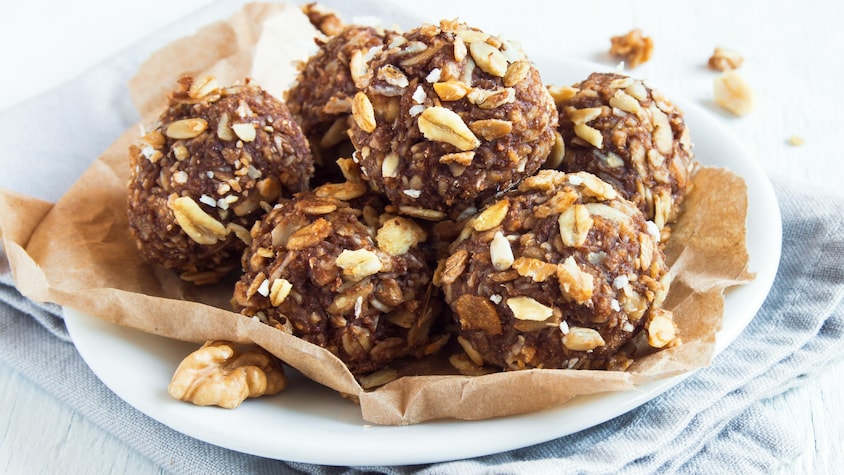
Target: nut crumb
733 93
633 48
796 140
723 59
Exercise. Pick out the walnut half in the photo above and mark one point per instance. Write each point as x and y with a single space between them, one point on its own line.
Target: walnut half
633 47
217 374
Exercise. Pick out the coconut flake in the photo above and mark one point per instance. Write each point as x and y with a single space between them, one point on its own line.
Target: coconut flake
620 282
264 288
419 95
564 327
434 75
208 200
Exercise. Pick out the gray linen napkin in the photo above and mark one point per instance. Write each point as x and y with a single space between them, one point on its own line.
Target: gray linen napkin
712 422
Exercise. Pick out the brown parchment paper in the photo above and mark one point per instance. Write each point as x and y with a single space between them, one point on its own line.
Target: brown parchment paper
78 253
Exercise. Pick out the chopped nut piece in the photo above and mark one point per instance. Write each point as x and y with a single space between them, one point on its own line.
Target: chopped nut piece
589 134
470 350
454 266
526 308
155 139
627 103
239 231
315 207
733 93
378 378
561 93
279 290
359 263
444 125
608 213
217 374
460 158
723 59
398 235
516 72
245 132
491 129
488 58
575 283
661 329
492 216
363 112
594 186
195 222
223 130
538 270
575 224
558 152
393 76
186 128
583 116
345 191
464 364
203 87
451 90
422 213
390 166
633 48
478 313
309 235
582 339
500 252
488 100
558 204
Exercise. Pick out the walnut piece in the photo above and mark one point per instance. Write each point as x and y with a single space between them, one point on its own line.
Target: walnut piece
323 18
217 374
723 59
633 48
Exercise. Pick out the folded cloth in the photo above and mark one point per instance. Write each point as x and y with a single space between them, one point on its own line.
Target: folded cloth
714 421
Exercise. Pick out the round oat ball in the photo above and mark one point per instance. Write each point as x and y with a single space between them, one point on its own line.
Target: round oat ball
630 136
212 164
330 267
321 98
449 117
561 273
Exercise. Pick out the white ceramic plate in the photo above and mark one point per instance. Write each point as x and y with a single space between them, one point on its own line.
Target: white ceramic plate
309 423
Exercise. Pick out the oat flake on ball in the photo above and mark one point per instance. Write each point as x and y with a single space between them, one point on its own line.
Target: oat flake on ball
561 273
212 164
448 117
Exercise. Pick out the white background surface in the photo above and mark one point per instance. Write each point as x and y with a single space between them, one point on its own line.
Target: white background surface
792 60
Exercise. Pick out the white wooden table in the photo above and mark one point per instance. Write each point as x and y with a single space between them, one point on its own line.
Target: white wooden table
792 60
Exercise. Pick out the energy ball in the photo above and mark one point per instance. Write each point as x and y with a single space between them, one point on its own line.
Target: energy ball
328 266
449 117
215 161
561 273
630 136
321 99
